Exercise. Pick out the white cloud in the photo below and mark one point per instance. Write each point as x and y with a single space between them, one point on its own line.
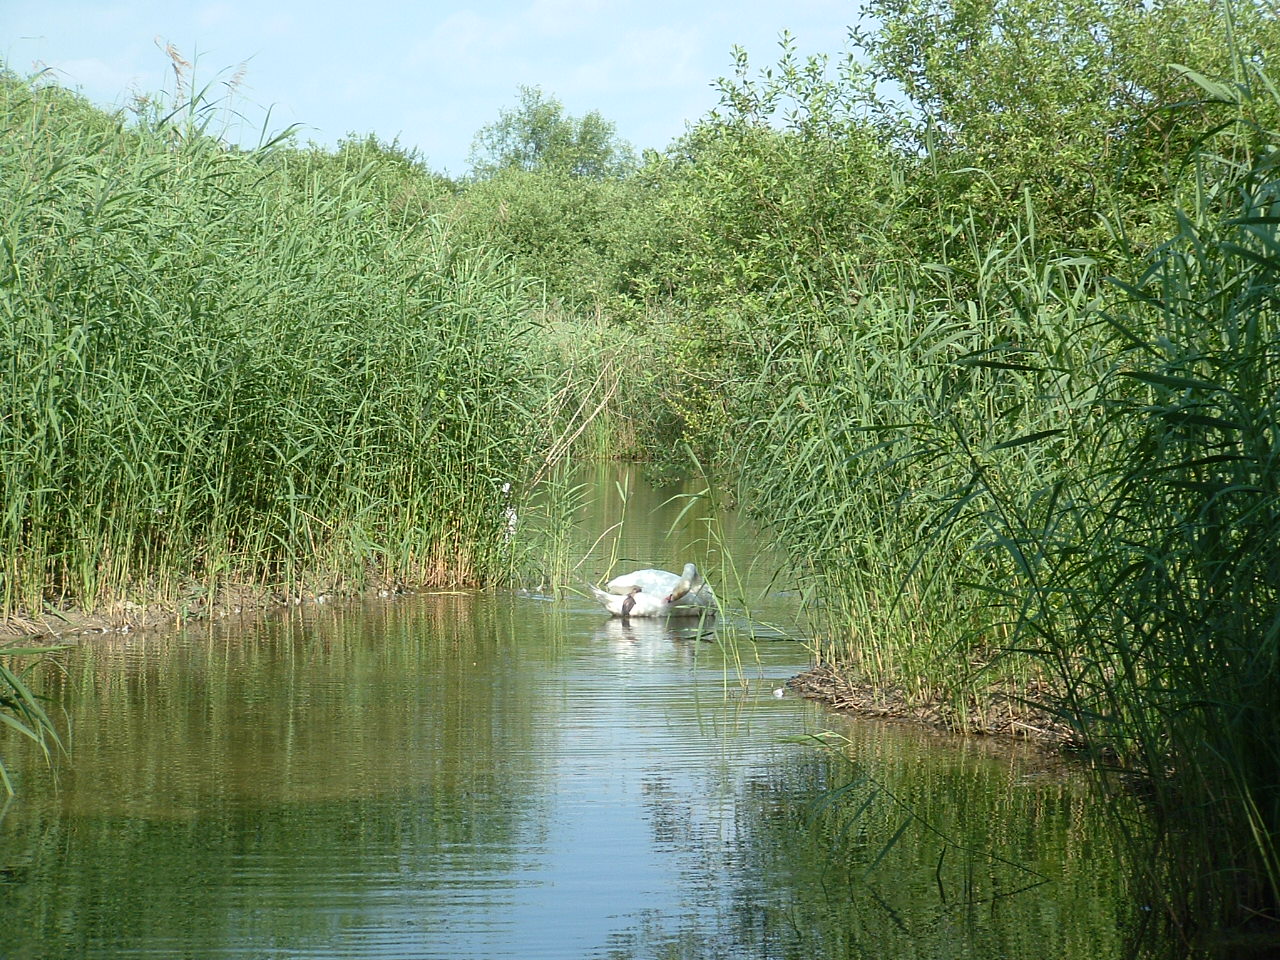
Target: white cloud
279 25
552 18
466 38
651 59
360 88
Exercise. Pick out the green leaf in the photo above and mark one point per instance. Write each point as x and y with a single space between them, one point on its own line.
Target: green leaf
1167 380
1026 439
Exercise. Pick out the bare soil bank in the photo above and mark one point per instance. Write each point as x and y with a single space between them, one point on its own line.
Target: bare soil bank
126 616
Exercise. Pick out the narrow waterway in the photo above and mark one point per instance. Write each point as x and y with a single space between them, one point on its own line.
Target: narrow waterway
490 776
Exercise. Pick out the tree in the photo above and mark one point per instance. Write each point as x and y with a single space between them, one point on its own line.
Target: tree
1082 107
791 176
537 136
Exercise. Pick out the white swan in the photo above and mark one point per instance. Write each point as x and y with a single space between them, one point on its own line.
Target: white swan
634 603
687 588
656 593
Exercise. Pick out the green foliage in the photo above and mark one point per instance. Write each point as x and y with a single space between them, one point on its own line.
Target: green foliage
872 284
789 178
1009 489
1149 568
560 198
586 241
1081 107
810 185
538 136
857 439
815 170
782 198
399 178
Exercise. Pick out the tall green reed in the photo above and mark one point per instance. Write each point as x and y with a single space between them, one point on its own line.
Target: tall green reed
852 458
241 366
1133 565
1015 491
1151 564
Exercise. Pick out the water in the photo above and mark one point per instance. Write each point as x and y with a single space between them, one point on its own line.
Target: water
471 776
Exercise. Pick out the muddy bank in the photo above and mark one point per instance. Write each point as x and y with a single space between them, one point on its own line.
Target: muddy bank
126 616
1002 715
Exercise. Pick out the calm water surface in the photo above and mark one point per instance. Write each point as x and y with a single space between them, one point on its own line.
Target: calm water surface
472 776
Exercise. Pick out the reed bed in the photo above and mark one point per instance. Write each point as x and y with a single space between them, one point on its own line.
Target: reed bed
1016 487
225 366
872 418
1150 569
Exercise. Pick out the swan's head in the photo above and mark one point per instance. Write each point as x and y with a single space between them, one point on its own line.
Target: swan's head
690 579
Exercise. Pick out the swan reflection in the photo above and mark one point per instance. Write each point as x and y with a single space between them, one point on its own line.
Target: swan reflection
636 630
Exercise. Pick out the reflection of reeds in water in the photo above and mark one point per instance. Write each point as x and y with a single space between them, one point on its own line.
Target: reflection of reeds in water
307 689
902 842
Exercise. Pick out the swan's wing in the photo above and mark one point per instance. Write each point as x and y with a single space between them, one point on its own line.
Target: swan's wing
655 582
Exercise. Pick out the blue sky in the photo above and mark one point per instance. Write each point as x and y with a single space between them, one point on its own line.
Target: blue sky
430 74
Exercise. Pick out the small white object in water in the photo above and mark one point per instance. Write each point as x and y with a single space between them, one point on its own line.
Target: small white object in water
779 692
